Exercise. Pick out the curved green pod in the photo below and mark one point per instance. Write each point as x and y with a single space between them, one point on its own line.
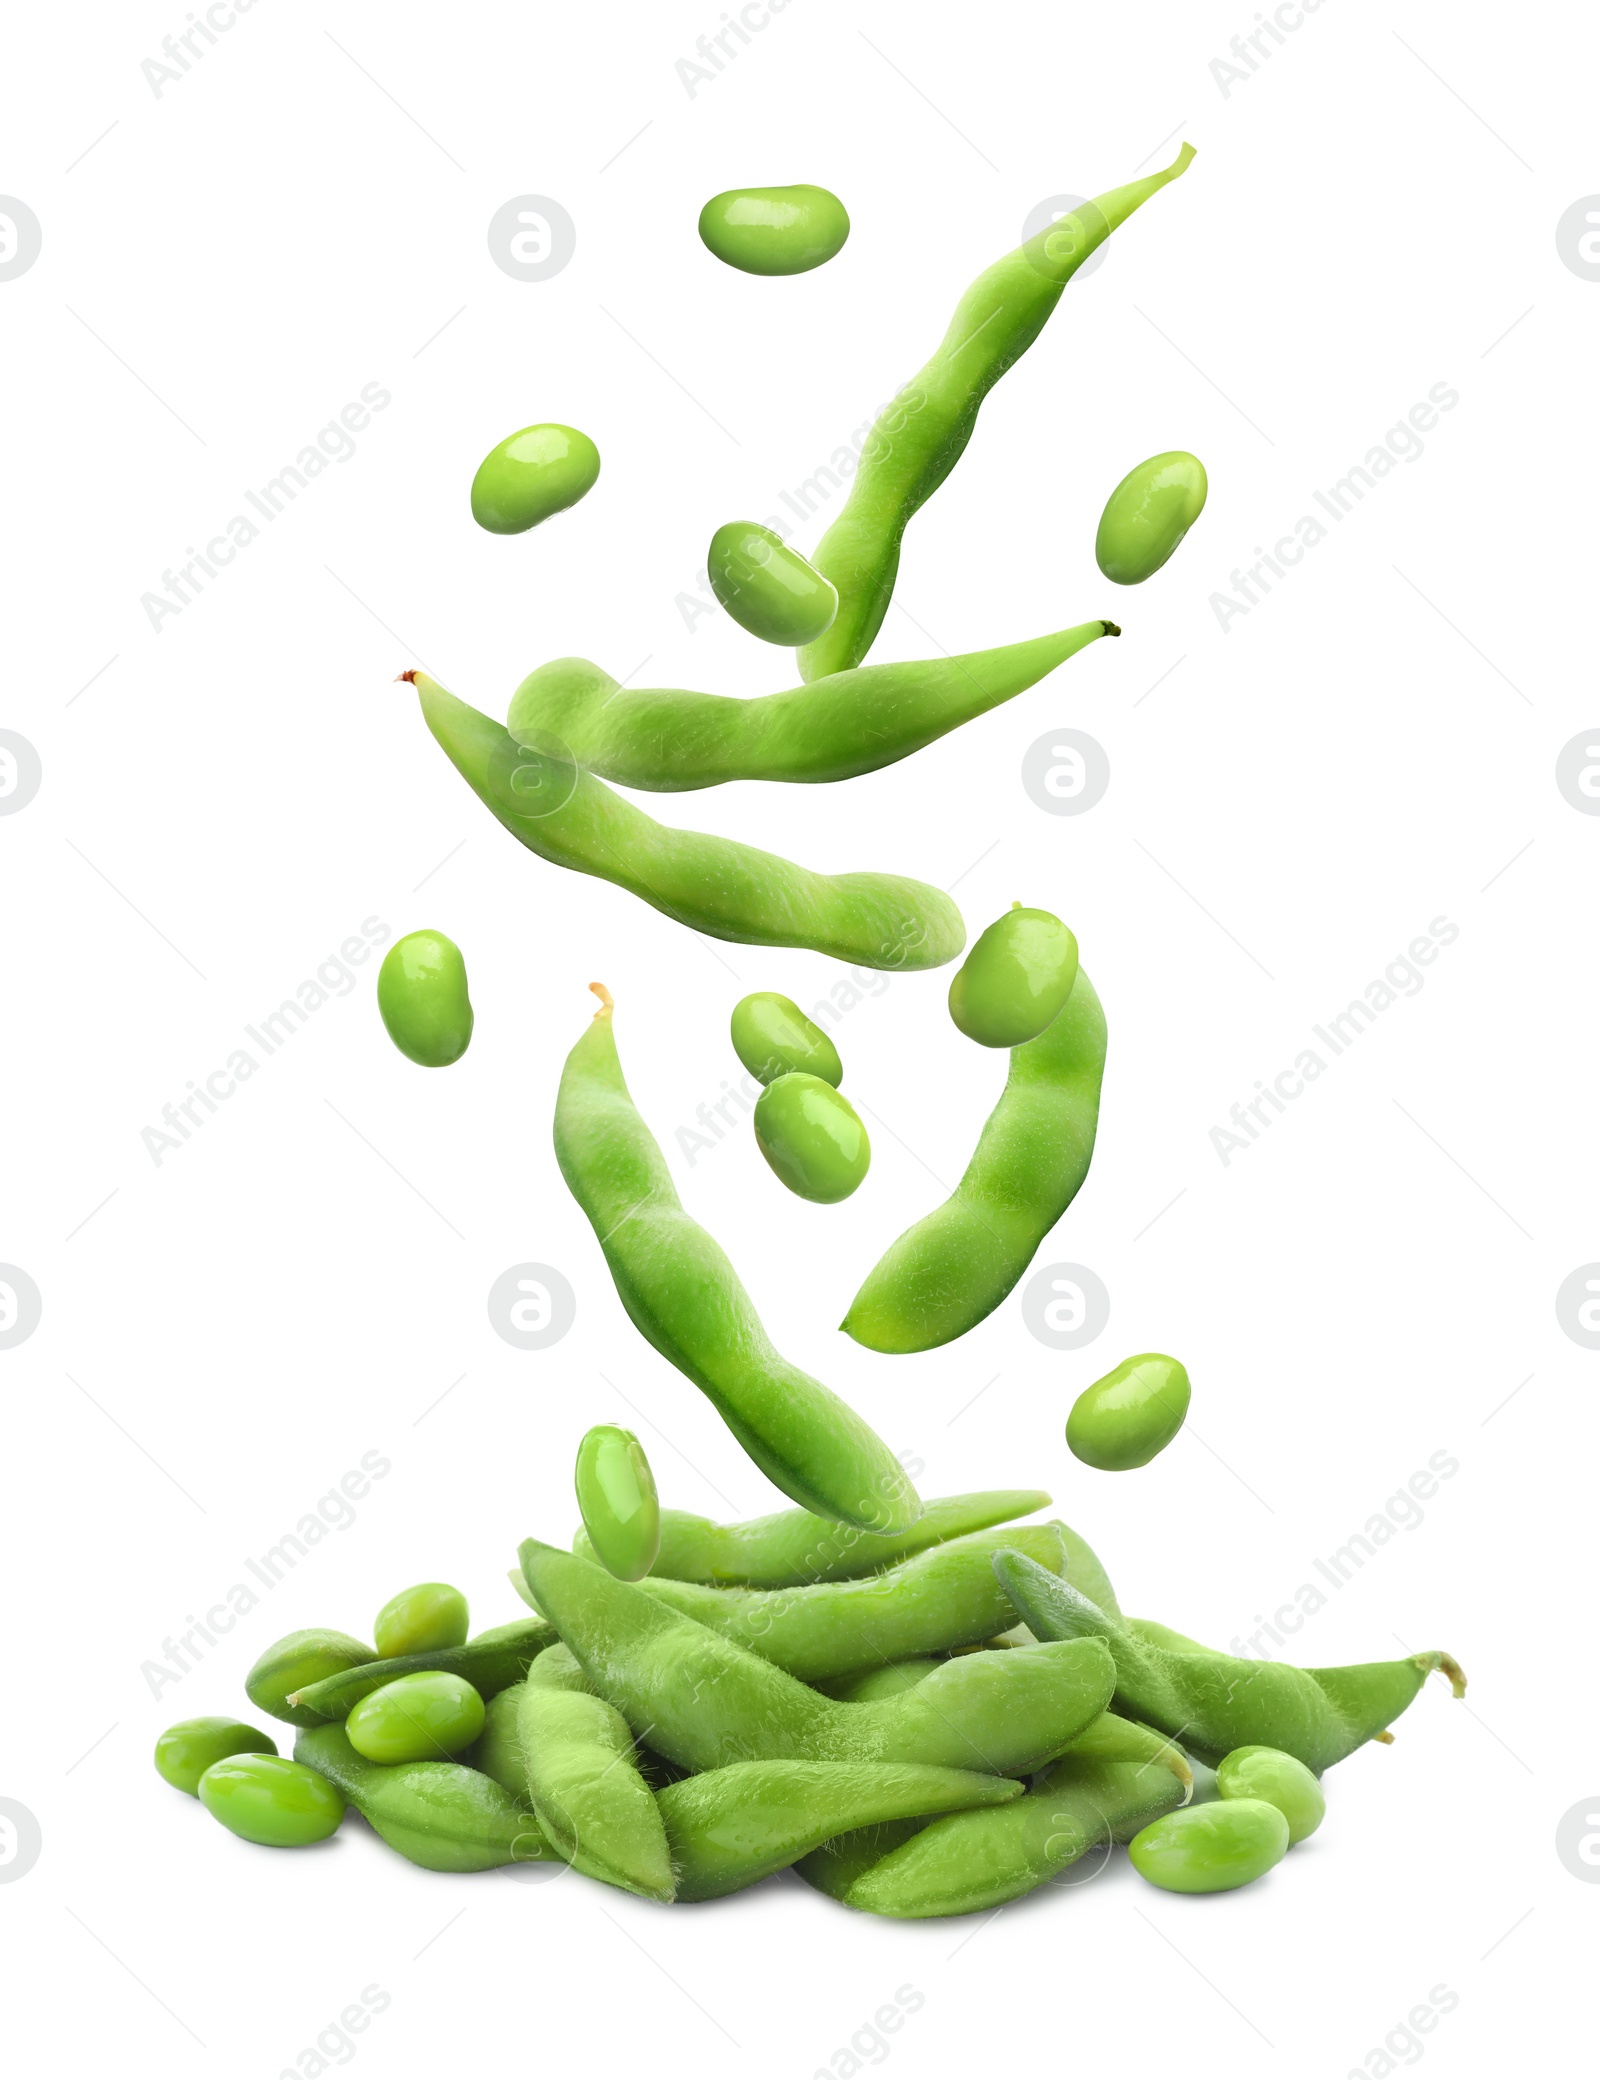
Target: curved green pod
713 885
617 1501
1015 979
1125 1419
423 1001
440 1815
812 1138
531 475
773 1037
492 1662
294 1663
774 231
958 1263
1148 515
1211 1848
919 437
590 1798
685 1298
767 587
667 741
794 1546
1214 1703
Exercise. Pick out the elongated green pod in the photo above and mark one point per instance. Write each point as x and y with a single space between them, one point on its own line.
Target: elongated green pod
590 1798
441 1815
490 1664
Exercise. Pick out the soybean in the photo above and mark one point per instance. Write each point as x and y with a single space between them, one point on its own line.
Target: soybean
1211 1848
812 1138
271 1800
774 231
422 997
1148 515
440 1815
773 1037
1015 979
430 1615
419 1718
186 1751
617 1501
1134 1412
767 587
1267 1773
532 474
294 1663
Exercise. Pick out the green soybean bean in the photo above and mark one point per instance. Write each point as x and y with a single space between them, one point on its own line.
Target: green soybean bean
944 1598
1148 515
440 1815
1216 1703
420 1718
713 885
1279 1780
767 587
186 1751
586 1788
1211 1848
685 1298
919 437
773 1037
416 1620
294 1663
667 740
271 1800
704 1701
793 1546
422 998
1015 979
617 1500
491 1662
731 1827
1134 1412
532 474
812 1138
774 230
958 1263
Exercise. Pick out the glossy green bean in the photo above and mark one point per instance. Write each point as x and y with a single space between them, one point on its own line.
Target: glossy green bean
767 587
774 231
1125 1419
423 1001
918 439
490 1663
1148 515
812 1138
713 885
773 1037
186 1751
1215 1703
617 1500
270 1800
582 1780
685 1298
852 722
1211 1848
419 1620
1269 1774
1015 979
441 1815
427 1717
958 1263
531 475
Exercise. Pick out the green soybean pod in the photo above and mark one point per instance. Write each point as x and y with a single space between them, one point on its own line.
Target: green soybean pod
271 1800
1125 1419
1148 515
1280 1780
440 1815
774 230
812 1138
531 474
1016 978
769 589
422 998
186 1751
773 1037
294 1663
617 1501
422 1718
430 1615
1211 1848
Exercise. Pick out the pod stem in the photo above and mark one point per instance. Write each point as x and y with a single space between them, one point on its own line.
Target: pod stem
607 1001
1442 1664
1110 628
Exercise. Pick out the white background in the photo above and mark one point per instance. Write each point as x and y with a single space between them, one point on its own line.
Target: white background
1292 801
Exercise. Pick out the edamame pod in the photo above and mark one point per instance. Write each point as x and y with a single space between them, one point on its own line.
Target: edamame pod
1267 1773
532 474
617 1501
866 1685
271 1800
957 1264
1211 1848
767 587
419 1619
685 1298
186 1751
1134 1412
294 1663
666 740
1016 978
590 1798
422 999
812 1138
793 1546
497 1752
492 1662
713 885
1148 515
773 1037
420 1718
1215 1703
774 231
440 1815
918 439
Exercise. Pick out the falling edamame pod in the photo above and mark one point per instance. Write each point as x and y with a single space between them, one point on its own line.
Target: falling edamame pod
492 1662
1148 515
957 1264
1214 1703
713 885
423 1001
812 1138
1015 979
774 231
767 587
666 741
773 1037
919 437
441 1815
685 1298
617 1501
531 475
